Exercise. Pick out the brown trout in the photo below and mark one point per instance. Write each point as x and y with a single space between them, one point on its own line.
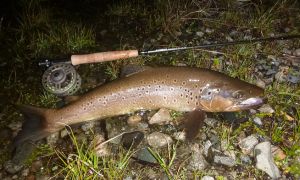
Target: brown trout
176 88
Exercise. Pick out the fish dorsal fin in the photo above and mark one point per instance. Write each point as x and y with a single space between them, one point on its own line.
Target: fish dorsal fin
131 69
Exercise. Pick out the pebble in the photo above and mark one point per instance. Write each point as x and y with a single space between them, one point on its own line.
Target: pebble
257 121
297 52
86 127
278 153
102 150
197 162
280 77
64 133
211 122
161 117
207 178
134 120
200 33
14 177
247 144
266 108
207 146
224 160
264 160
159 140
12 168
53 138
144 155
25 172
179 136
260 83
245 159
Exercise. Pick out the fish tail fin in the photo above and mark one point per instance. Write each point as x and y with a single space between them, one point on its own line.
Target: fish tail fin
35 126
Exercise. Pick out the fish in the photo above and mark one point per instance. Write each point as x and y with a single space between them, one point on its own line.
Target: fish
183 89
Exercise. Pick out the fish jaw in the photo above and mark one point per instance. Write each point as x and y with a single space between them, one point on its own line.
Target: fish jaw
247 104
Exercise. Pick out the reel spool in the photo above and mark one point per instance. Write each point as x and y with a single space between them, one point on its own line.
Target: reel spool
61 79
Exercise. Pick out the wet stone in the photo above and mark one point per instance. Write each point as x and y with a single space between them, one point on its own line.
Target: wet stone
159 140
132 139
161 117
264 160
247 144
224 160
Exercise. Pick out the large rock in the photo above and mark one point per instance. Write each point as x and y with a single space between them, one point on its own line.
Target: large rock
264 160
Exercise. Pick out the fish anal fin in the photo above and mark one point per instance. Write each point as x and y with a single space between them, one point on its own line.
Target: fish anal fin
193 121
35 126
132 69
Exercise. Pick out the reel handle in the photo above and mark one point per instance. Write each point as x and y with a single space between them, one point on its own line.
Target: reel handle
103 56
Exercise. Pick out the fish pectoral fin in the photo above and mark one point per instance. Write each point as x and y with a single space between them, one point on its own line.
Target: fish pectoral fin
193 121
131 69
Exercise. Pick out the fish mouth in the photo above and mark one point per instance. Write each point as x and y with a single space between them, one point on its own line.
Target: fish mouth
251 102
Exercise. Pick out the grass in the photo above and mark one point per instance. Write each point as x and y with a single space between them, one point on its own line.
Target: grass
39 31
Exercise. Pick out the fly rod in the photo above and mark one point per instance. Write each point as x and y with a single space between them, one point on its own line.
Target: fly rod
125 54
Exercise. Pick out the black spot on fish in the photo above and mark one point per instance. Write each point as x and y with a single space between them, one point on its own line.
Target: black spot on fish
183 83
175 80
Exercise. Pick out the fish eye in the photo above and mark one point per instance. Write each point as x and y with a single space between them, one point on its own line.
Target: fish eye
237 94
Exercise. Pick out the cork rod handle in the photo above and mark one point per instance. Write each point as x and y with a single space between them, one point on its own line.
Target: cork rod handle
103 56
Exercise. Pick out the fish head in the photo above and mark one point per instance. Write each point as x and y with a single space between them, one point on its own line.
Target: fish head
230 96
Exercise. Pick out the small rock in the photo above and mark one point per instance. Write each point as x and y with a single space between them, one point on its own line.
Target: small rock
86 127
161 117
278 153
54 168
280 77
253 111
247 144
207 146
229 39
200 34
257 121
12 168
132 139
25 172
264 160
36 166
210 122
260 83
53 138
270 72
266 108
159 140
245 159
180 136
207 178
207 30
224 160
293 79
14 177
297 52
142 126
134 120
102 150
145 156
64 133
196 162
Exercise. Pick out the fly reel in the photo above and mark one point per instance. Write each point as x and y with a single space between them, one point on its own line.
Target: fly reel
61 79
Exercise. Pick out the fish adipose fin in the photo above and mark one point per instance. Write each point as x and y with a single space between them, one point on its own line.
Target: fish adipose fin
34 127
193 122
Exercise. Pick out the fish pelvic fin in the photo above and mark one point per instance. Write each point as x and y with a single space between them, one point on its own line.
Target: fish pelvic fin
35 126
193 121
